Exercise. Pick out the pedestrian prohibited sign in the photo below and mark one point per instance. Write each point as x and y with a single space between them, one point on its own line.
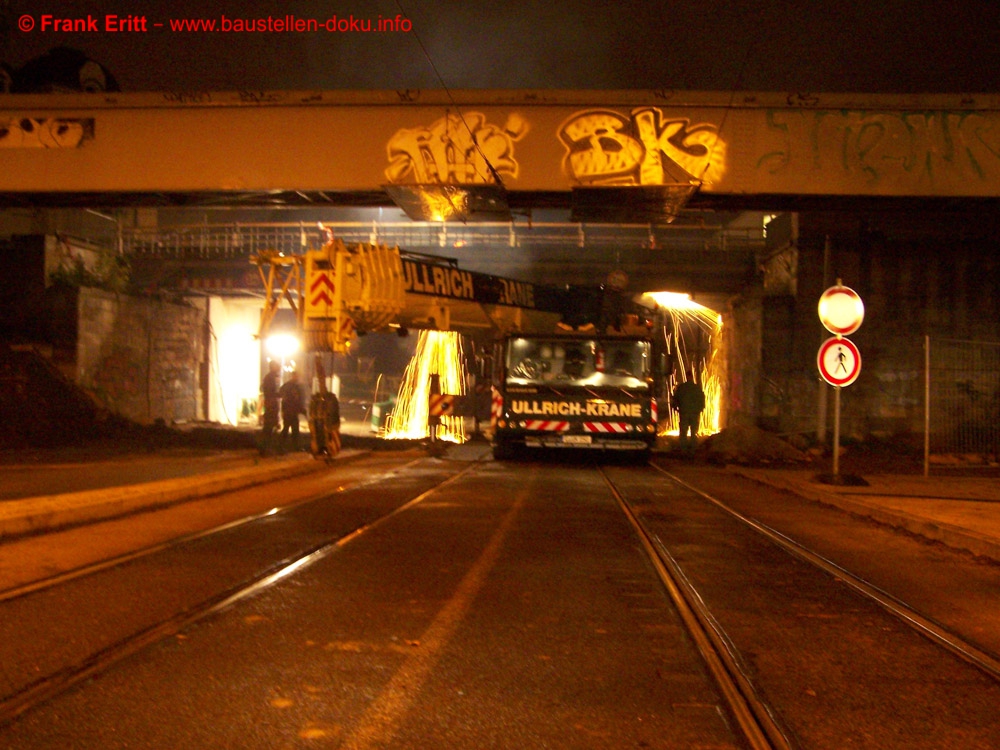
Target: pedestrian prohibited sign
839 361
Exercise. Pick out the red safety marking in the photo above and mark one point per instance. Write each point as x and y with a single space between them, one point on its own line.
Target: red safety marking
496 407
616 427
346 327
321 289
546 426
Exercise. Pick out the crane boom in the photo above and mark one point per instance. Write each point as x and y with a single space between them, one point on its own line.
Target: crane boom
339 291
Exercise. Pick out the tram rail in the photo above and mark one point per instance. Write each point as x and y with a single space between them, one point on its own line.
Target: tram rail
40 584
30 693
752 715
980 658
763 723
760 608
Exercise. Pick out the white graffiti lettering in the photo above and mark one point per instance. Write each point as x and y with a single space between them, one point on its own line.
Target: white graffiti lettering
457 149
29 132
645 148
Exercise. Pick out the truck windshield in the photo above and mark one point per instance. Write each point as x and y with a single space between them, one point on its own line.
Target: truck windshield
583 362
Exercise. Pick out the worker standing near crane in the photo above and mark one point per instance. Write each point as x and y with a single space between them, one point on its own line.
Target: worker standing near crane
269 390
292 404
689 401
324 418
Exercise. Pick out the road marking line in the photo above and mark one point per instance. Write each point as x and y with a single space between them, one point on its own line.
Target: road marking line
381 720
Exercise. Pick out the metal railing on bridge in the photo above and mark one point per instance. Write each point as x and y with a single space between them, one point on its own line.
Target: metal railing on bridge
242 240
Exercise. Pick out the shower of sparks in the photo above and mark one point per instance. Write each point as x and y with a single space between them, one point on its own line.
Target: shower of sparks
691 319
438 353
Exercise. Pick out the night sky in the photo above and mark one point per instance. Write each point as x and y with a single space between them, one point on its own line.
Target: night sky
891 46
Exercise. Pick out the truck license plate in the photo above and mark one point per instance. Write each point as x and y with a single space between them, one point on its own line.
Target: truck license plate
576 439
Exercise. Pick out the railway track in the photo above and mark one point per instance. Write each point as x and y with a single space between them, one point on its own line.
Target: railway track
84 570
754 717
26 688
763 721
800 652
980 658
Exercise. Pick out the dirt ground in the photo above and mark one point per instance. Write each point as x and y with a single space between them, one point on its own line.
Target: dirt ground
900 455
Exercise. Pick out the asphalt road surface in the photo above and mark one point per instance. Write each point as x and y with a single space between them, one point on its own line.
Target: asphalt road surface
406 601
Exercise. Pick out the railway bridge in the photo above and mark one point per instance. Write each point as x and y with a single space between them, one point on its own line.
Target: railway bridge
750 202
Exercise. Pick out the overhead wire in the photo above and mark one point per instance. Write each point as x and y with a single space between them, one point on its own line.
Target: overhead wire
437 73
737 85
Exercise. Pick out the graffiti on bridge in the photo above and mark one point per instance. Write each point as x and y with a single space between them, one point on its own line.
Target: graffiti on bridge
45 132
456 149
645 147
884 148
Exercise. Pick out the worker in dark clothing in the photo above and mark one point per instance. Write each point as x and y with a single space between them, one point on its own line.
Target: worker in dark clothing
292 404
324 417
689 401
324 424
269 388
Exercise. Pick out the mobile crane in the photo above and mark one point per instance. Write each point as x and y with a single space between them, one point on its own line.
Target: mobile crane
572 367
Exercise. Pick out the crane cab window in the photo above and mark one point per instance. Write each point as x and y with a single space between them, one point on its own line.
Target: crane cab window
583 362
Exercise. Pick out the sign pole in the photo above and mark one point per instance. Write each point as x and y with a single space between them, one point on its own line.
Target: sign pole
841 312
836 432
822 402
927 406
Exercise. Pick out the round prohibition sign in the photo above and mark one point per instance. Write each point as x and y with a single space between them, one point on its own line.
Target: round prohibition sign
839 361
841 310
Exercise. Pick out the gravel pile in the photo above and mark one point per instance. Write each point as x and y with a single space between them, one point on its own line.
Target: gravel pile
750 445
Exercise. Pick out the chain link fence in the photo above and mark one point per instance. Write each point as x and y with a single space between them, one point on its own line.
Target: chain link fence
962 402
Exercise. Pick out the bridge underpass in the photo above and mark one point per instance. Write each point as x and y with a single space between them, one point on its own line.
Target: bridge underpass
703 257
142 173
202 256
